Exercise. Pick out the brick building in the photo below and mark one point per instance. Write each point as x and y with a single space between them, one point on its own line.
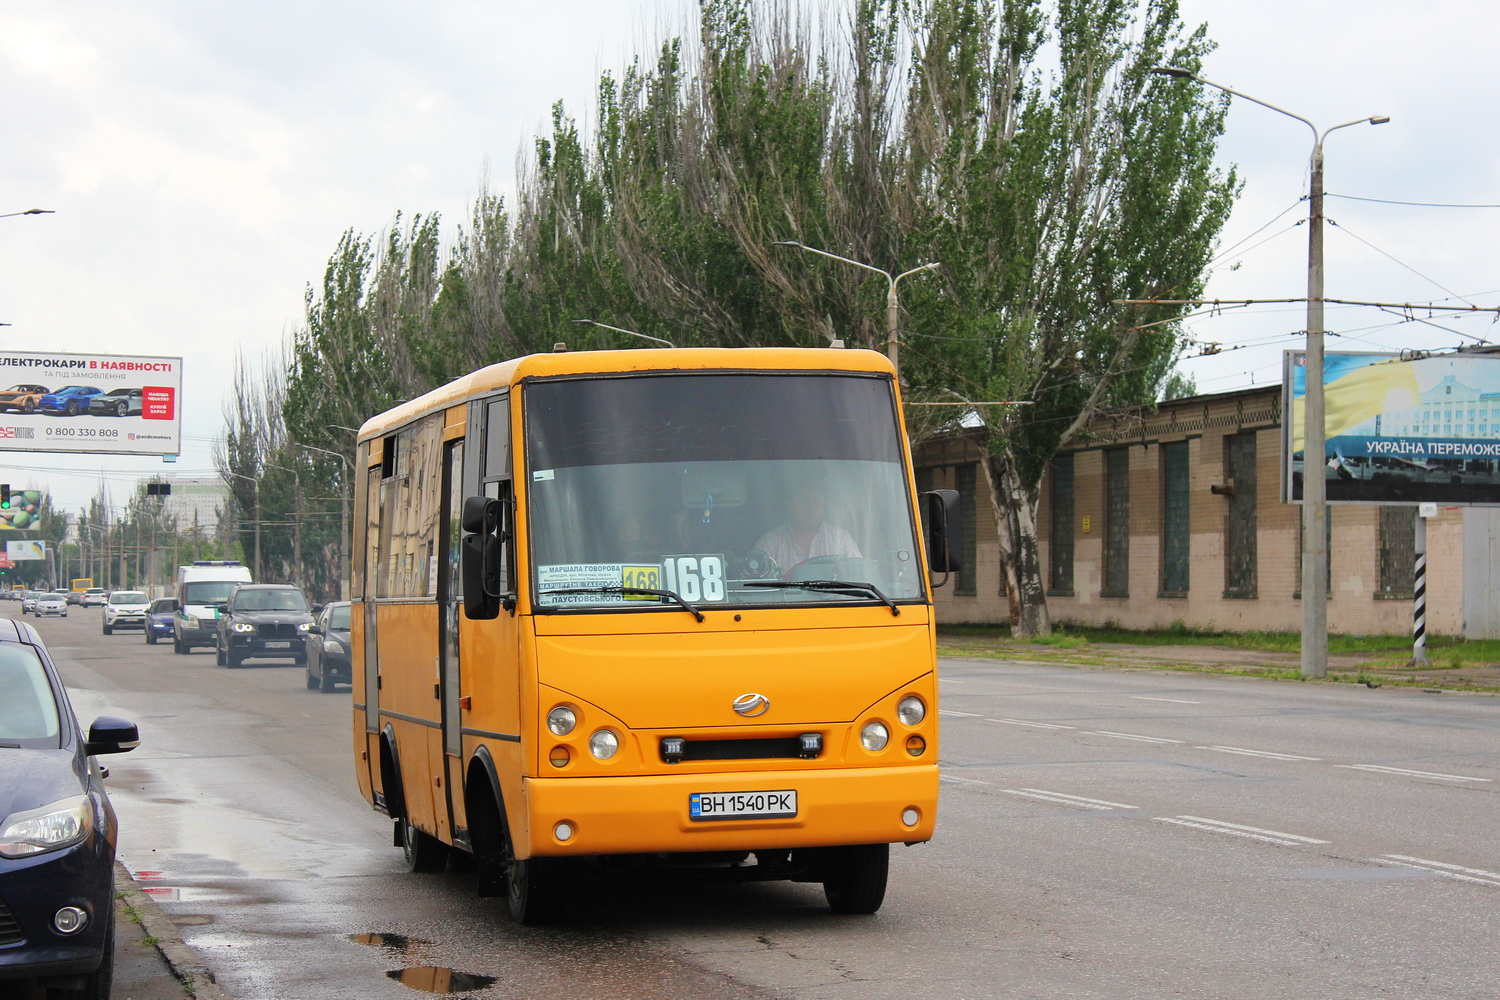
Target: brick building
1173 514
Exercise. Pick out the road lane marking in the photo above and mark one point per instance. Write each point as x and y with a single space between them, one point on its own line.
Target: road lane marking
961 715
962 781
1477 875
1131 736
1175 701
1259 753
1410 773
1038 725
1239 830
1065 799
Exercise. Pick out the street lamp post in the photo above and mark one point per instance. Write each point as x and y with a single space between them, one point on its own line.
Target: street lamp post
343 517
1314 442
29 211
892 304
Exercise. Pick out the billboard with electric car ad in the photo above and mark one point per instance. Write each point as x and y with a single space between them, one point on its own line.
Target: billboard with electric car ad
107 404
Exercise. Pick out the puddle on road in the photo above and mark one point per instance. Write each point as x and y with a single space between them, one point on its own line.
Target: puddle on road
398 945
427 978
430 979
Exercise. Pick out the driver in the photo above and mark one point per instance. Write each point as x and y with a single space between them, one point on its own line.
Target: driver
806 535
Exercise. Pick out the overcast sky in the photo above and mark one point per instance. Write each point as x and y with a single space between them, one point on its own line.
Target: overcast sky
203 159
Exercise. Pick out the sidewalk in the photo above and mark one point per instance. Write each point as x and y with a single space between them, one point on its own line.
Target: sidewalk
151 960
1444 675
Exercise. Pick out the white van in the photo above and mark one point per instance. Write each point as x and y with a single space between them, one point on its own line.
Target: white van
202 589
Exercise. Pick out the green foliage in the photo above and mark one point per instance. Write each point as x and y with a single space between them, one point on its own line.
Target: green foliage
1022 144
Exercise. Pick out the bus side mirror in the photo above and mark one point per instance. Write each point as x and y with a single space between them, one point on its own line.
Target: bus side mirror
480 555
944 531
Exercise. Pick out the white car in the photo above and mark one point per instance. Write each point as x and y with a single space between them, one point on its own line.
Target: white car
28 601
125 609
94 597
52 604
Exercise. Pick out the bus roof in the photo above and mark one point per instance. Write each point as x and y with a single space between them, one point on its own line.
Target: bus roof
507 373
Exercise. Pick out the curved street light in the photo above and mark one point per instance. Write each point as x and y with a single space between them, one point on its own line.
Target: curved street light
1314 441
29 211
892 305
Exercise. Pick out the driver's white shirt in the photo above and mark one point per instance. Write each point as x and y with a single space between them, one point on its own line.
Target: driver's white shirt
831 540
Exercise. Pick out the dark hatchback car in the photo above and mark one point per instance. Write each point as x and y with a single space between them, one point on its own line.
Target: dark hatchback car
328 648
263 619
57 828
159 619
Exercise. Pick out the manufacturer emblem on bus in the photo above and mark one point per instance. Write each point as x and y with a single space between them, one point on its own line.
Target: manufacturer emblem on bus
751 705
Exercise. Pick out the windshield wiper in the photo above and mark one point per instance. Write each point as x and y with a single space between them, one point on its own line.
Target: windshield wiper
850 587
670 594
10 746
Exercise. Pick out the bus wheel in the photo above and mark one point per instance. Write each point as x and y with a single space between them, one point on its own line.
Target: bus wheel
855 877
423 852
531 887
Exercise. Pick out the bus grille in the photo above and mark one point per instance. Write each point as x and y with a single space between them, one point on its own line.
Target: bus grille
674 750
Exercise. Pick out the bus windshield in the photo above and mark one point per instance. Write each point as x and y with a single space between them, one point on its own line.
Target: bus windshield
724 489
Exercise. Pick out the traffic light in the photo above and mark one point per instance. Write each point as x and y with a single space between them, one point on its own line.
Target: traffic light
4 496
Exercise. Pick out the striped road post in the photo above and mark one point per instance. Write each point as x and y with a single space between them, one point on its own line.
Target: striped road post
1419 595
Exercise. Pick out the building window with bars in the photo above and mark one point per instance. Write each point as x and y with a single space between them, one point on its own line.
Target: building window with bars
1240 524
1061 548
1176 525
965 480
1116 581
1397 553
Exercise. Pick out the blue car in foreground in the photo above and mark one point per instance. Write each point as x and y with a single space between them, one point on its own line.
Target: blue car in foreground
57 828
159 619
70 399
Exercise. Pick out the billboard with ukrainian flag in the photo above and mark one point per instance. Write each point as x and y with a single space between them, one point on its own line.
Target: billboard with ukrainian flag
1399 429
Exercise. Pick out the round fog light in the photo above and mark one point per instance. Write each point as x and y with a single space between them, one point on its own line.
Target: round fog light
910 816
563 832
915 745
70 920
559 756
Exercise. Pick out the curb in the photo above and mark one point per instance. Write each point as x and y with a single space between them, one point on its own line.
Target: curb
186 964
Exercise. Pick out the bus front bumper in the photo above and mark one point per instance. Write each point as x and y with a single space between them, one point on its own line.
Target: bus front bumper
644 814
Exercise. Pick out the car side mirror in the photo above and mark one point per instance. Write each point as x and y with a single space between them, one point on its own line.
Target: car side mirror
111 735
314 630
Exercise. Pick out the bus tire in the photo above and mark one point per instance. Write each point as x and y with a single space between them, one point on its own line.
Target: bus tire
855 878
532 887
423 852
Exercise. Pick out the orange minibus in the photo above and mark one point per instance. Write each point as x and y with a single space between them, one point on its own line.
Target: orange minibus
620 610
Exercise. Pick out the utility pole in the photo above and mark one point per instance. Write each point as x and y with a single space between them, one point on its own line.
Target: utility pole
1314 440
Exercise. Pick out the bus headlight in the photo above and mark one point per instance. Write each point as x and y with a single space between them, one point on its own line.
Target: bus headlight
561 720
911 711
604 744
874 736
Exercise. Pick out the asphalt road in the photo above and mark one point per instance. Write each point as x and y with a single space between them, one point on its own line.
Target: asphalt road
1102 834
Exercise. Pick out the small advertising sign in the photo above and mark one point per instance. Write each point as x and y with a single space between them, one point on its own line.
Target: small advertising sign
92 403
26 549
